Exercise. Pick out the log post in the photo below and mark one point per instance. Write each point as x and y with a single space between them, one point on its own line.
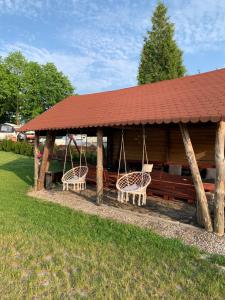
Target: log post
49 144
202 203
36 162
99 171
220 179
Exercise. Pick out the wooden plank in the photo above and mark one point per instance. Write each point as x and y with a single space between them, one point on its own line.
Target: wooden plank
99 172
36 162
48 149
202 204
220 179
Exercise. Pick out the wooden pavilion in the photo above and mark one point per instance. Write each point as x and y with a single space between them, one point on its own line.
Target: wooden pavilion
184 121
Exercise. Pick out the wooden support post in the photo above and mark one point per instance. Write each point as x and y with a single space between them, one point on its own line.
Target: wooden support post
49 144
99 171
220 179
36 162
202 203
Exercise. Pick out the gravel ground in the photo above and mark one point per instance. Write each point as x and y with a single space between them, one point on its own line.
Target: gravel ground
161 224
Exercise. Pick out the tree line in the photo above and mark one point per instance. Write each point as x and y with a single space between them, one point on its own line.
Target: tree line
28 88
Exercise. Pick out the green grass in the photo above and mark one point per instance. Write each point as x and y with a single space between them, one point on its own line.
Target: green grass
51 252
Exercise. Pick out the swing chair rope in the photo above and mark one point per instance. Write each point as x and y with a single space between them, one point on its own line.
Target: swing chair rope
122 149
64 166
144 150
136 182
81 150
68 145
71 157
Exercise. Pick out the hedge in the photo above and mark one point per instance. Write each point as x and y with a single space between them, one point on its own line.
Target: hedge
22 148
25 148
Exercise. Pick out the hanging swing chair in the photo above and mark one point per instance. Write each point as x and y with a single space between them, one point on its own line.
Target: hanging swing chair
76 176
135 183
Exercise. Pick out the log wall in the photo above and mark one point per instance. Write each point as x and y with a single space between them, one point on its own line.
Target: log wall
164 143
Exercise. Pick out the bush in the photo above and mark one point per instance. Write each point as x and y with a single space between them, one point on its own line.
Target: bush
9 145
17 148
29 150
91 158
22 148
4 145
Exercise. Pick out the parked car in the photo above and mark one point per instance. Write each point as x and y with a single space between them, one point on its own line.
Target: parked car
26 136
8 131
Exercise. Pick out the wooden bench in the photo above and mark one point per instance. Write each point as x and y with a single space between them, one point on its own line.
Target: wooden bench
163 184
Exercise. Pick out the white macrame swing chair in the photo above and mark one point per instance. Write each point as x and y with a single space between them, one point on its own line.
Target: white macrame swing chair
76 176
134 183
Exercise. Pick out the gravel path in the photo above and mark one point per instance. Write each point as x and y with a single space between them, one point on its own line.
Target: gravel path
189 234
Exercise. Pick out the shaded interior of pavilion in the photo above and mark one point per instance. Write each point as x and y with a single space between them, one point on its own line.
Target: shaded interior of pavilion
171 193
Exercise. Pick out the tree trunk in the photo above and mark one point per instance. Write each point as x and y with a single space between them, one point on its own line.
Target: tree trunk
202 203
48 149
36 162
220 179
99 166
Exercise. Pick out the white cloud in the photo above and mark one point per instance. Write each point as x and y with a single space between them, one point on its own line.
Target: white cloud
200 25
112 34
102 39
101 50
27 8
80 69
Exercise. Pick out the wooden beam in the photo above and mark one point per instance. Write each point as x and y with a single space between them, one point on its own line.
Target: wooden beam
220 179
36 162
99 172
202 204
48 149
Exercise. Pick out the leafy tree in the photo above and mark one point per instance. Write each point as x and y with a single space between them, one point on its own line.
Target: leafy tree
8 93
161 58
45 86
15 64
29 88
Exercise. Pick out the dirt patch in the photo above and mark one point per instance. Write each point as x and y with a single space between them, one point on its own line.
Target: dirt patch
172 219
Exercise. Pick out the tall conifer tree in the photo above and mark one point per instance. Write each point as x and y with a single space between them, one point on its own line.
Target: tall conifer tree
161 58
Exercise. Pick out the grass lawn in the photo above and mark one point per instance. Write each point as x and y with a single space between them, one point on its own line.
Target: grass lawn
51 252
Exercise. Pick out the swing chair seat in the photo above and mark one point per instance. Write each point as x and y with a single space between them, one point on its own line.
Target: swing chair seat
133 184
130 188
75 177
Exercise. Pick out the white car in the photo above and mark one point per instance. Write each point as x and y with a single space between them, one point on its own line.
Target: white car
8 131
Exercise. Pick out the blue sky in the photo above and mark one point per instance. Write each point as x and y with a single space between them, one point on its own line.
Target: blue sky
97 43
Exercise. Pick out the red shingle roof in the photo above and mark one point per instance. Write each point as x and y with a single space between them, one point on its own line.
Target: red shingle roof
190 99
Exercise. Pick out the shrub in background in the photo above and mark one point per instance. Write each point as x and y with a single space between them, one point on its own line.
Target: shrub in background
4 145
17 148
29 150
9 145
91 158
22 148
